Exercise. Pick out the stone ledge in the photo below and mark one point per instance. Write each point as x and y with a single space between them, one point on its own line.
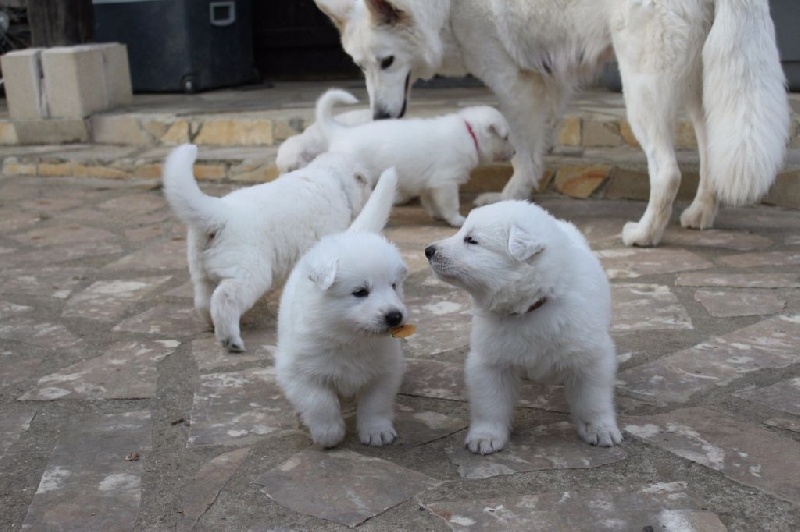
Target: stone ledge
613 173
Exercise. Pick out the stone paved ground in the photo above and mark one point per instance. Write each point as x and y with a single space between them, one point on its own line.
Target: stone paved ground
119 412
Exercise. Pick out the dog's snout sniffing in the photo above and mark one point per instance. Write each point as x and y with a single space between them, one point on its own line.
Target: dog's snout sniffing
393 318
430 251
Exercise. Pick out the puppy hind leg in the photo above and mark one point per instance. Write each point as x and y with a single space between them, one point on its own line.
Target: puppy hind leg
203 289
590 394
232 298
493 392
701 213
447 203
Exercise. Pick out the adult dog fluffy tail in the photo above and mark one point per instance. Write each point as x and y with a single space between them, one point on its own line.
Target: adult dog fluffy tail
744 96
375 214
190 204
326 123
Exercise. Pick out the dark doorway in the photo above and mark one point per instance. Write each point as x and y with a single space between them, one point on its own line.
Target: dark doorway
293 39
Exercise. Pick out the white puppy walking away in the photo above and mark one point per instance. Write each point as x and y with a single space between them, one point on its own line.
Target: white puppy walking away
433 156
299 150
717 59
240 245
339 307
541 305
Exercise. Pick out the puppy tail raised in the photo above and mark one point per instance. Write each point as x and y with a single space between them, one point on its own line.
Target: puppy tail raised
326 123
190 204
375 214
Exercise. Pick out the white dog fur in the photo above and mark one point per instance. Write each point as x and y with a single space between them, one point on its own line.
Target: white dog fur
333 328
541 305
242 244
433 156
715 58
299 150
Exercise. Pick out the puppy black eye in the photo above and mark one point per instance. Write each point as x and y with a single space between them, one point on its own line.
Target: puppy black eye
387 62
361 292
394 286
470 240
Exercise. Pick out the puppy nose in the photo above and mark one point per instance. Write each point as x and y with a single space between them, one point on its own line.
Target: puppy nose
430 251
393 318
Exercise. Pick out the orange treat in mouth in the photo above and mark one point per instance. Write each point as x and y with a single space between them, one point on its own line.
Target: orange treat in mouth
402 331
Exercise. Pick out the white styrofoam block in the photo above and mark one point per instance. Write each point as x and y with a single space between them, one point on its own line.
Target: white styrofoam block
22 77
74 80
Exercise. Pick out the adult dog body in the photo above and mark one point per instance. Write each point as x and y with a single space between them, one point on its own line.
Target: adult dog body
541 305
432 156
717 58
240 245
333 327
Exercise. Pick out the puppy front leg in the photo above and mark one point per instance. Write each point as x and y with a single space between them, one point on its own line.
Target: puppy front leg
493 391
319 409
376 410
590 394
231 299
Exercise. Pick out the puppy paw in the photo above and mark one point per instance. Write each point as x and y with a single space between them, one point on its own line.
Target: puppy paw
487 198
697 217
600 433
486 439
328 434
377 435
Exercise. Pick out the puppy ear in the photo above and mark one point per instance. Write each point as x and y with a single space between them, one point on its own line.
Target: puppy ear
522 245
323 274
337 10
384 12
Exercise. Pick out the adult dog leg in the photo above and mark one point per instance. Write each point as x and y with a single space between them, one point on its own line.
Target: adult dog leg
528 103
232 298
590 394
651 100
700 214
492 394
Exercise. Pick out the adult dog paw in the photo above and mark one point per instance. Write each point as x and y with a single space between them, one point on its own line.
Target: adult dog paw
328 434
635 234
600 434
484 439
377 435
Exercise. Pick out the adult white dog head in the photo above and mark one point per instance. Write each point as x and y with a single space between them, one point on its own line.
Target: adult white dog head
391 43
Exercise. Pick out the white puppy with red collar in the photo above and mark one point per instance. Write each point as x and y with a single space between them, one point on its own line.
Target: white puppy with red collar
541 307
433 156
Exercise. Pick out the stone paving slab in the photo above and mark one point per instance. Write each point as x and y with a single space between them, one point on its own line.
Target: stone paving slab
109 300
40 334
210 355
663 506
727 304
783 396
638 307
238 408
740 280
12 426
200 493
740 451
630 263
166 320
126 370
555 446
771 258
88 483
341 486
49 282
675 378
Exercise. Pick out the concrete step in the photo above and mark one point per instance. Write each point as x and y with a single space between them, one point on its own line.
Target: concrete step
615 173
